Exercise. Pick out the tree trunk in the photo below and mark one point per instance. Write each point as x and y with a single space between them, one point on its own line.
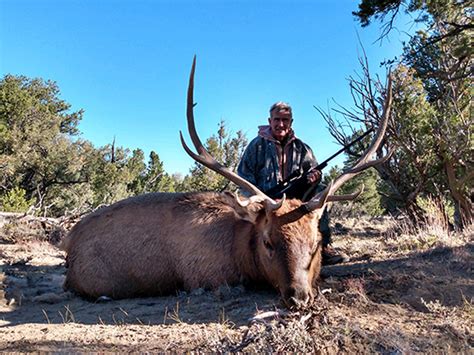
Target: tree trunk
464 205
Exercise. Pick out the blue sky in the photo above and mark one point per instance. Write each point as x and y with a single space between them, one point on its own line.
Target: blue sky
126 63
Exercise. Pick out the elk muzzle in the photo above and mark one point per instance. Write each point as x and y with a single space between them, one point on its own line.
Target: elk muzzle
297 296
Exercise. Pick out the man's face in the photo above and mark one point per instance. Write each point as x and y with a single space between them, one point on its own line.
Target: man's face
280 123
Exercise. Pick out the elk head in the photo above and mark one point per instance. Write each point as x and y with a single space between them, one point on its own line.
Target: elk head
288 243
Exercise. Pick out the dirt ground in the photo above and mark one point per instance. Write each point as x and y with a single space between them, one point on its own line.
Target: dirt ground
398 294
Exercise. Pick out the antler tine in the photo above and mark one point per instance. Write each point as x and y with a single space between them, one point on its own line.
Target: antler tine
203 155
364 162
190 114
349 197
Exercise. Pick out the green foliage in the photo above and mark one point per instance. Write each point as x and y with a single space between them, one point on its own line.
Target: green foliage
15 201
432 122
41 157
441 58
43 164
155 178
380 9
412 126
331 175
110 177
369 202
135 168
375 8
36 129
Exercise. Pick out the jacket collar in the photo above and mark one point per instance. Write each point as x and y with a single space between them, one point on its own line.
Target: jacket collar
266 133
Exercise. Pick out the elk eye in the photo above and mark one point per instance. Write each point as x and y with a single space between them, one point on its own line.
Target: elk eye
268 245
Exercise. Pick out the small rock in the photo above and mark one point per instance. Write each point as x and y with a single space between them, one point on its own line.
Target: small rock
103 299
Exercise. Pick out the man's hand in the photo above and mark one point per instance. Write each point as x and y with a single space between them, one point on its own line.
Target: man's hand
314 176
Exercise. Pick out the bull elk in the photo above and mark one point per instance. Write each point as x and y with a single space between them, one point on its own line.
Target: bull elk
158 243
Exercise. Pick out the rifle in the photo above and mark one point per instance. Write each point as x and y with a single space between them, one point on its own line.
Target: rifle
295 185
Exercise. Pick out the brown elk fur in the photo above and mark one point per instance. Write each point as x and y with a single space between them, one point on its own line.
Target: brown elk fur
157 243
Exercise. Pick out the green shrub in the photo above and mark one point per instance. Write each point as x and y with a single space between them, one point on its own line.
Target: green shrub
15 201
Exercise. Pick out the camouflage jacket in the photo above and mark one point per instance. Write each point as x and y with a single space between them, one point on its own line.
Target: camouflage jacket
266 162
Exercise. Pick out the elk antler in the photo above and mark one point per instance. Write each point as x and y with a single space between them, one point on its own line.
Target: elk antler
207 160
364 162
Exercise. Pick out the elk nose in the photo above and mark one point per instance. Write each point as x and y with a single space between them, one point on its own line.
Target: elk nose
297 298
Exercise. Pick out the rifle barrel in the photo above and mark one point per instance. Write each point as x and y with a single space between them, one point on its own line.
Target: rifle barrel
285 185
325 163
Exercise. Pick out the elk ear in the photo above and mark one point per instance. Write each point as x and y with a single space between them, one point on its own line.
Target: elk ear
247 209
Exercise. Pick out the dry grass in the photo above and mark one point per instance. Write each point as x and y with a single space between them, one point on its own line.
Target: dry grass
406 289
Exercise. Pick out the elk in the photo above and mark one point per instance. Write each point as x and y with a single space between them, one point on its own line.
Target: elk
158 243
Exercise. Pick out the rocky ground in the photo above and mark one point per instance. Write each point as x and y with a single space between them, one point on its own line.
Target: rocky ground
399 293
